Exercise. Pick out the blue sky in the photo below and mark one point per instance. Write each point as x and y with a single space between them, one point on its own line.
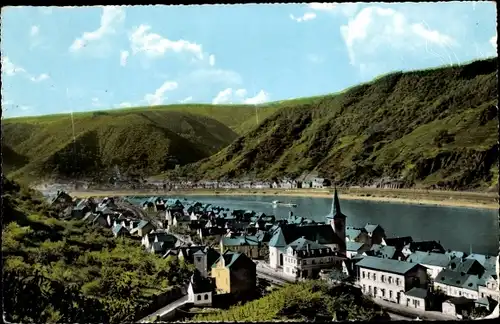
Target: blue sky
88 58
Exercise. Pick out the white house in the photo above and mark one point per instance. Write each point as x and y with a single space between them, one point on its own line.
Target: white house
457 284
200 290
305 259
390 279
416 298
317 183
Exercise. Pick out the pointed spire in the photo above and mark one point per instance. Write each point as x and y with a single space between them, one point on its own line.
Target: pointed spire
336 212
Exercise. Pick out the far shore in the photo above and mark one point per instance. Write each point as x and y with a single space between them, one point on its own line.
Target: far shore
481 200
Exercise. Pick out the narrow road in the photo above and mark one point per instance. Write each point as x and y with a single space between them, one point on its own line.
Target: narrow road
165 310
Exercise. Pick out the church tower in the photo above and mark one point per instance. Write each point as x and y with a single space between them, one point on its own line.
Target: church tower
338 221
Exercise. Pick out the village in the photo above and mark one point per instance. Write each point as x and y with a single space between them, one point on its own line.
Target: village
235 251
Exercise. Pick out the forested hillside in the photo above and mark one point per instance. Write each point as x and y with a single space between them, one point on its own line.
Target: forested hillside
430 128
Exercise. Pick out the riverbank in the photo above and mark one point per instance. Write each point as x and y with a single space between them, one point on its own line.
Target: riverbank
484 200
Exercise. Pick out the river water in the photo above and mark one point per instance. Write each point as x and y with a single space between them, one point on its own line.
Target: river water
456 228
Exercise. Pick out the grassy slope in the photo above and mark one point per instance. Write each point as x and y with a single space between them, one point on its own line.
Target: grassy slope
134 139
117 275
431 127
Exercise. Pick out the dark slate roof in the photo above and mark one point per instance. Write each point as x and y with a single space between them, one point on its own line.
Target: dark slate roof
372 227
118 228
429 258
322 233
142 223
157 246
457 279
459 300
240 240
303 244
382 251
388 265
426 246
417 292
352 233
353 246
398 242
464 266
230 259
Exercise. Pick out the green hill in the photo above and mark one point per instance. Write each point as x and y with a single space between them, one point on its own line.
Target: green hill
430 128
139 140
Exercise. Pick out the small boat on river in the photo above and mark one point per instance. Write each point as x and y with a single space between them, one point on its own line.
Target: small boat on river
277 203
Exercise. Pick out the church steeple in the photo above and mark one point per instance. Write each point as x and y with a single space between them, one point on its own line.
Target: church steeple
336 212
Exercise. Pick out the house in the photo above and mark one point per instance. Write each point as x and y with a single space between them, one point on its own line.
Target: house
158 247
180 220
390 279
423 246
80 209
95 219
458 306
355 248
319 183
468 266
234 273
457 284
358 235
375 232
61 199
119 230
384 252
200 290
417 298
144 227
249 245
488 286
434 262
398 242
159 236
305 259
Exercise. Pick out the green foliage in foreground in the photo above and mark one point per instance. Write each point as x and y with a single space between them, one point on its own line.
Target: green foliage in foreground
65 271
433 128
304 301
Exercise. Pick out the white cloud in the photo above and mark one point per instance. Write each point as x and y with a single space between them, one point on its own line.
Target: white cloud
211 60
186 100
96 102
493 41
123 57
261 97
322 6
111 18
375 29
9 68
154 45
158 97
40 78
230 96
307 16
34 31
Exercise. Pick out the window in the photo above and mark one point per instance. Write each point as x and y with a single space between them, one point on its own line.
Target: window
364 288
369 275
382 278
369 289
390 279
397 281
304 262
390 294
363 274
383 292
206 296
198 297
374 277
313 261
